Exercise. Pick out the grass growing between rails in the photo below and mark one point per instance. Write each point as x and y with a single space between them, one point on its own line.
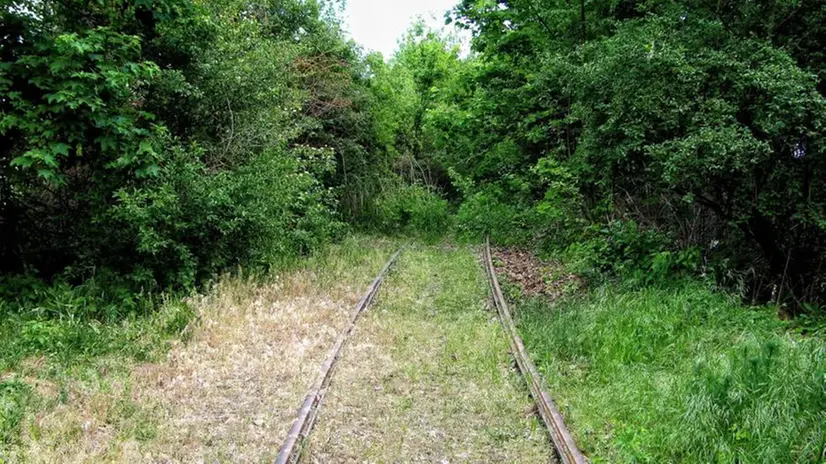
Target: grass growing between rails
427 376
679 374
75 389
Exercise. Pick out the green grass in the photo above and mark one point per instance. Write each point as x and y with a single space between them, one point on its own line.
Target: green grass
680 374
62 351
68 339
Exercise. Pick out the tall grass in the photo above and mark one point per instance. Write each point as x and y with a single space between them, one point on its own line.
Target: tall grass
45 343
680 374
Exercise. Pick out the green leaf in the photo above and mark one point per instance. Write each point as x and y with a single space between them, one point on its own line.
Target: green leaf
107 142
22 161
60 149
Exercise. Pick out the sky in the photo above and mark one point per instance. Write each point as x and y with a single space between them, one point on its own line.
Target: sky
378 24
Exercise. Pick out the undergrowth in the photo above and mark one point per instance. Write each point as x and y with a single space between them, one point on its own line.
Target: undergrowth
680 374
412 210
42 347
56 336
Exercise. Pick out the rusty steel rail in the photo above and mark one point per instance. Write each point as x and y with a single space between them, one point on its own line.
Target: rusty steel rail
291 449
562 439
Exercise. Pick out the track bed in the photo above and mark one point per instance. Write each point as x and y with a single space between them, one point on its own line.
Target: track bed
427 376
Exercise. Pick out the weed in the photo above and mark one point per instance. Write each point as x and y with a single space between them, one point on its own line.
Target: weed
414 210
680 374
14 395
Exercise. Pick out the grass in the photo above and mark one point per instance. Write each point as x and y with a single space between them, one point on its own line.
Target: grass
679 374
47 363
231 394
74 389
427 376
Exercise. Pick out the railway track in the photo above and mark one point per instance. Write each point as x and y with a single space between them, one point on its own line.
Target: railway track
291 450
561 438
302 426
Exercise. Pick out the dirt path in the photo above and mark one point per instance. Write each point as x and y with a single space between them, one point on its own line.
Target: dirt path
427 376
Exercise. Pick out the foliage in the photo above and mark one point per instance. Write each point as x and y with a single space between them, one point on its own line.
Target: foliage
695 126
13 397
87 82
747 149
189 223
412 209
488 211
148 146
680 374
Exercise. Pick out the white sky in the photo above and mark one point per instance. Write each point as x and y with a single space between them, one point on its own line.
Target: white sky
378 24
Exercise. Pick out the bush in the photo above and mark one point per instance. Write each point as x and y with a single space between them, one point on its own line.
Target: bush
506 211
148 146
412 209
707 124
104 296
190 223
702 124
622 249
486 212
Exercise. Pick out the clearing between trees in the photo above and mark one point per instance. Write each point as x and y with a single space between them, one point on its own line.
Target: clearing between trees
426 375
654 173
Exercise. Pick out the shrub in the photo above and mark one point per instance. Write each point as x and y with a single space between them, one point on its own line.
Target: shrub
490 211
412 209
147 146
622 249
190 223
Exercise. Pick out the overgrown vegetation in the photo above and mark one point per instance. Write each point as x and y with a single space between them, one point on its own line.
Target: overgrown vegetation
45 361
680 374
147 146
76 391
621 131
158 143
427 375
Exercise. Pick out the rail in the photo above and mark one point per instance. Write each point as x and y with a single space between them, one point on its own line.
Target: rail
291 449
562 439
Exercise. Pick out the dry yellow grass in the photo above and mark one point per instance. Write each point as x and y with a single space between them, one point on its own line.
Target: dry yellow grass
230 393
427 376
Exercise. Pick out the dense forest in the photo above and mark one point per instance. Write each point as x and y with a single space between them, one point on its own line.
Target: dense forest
668 156
640 138
148 145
